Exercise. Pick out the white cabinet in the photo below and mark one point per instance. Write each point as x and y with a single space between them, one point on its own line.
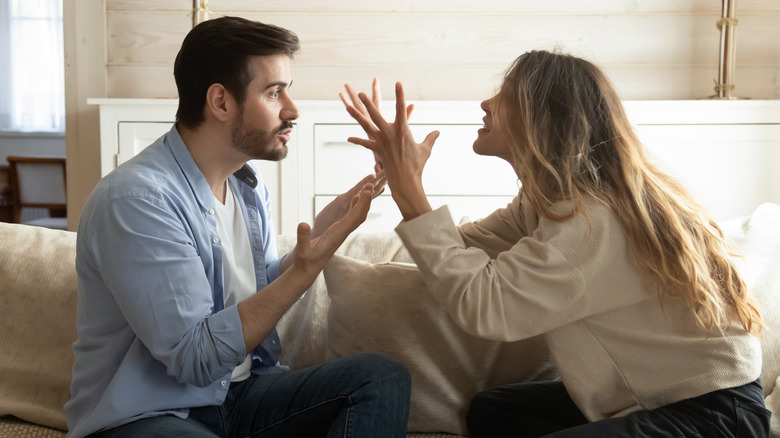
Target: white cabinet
327 164
726 152
470 184
134 136
321 163
731 169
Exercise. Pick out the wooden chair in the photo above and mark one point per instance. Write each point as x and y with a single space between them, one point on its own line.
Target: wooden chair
39 182
5 194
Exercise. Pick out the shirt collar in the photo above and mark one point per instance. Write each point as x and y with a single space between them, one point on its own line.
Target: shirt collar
196 180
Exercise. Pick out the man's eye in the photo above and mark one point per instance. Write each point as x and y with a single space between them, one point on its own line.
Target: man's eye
274 94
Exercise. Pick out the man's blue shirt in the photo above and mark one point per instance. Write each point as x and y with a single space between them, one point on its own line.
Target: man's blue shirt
154 336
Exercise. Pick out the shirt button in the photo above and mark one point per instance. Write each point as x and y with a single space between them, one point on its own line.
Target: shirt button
223 383
211 211
215 240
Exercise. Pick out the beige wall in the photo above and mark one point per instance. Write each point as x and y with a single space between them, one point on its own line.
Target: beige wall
440 49
457 49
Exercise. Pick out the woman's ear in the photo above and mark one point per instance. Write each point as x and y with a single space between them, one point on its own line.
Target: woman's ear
219 103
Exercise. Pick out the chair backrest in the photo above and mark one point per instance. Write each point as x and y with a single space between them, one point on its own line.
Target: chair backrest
37 182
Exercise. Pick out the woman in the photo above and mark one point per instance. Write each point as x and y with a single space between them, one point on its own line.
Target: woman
646 318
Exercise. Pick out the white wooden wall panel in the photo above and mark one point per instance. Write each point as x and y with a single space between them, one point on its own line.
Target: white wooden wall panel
344 39
457 49
145 38
473 83
453 6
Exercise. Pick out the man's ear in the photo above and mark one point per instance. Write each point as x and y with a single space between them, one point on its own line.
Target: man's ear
219 103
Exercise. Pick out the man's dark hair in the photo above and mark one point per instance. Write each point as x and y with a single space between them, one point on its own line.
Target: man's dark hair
218 51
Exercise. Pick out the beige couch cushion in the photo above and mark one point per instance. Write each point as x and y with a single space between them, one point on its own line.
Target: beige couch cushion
304 328
386 308
757 240
37 330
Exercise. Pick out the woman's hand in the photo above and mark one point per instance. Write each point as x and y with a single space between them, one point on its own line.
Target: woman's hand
376 99
402 158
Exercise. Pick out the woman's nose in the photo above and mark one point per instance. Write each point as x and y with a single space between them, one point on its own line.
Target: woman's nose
487 104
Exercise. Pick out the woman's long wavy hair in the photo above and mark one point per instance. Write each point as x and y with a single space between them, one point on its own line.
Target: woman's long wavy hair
569 139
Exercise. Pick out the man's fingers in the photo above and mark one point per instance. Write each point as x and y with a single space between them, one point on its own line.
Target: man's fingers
303 244
304 232
379 186
363 203
368 179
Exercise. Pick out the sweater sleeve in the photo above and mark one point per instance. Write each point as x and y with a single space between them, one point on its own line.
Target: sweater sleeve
558 273
498 231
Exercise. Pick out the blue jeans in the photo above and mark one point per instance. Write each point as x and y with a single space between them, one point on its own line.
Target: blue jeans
357 396
544 409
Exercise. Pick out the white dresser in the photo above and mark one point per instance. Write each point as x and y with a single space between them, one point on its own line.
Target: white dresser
726 152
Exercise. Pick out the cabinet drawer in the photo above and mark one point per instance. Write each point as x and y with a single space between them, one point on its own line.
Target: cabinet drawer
453 168
384 214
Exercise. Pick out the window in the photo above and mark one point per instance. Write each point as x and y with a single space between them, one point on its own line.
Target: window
32 97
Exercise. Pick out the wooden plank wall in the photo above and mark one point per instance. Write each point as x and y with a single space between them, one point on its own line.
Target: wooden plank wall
458 49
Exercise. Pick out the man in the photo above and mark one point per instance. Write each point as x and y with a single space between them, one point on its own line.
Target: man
180 286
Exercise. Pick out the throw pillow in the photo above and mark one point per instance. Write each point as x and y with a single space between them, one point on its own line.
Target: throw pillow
757 241
38 327
773 404
387 308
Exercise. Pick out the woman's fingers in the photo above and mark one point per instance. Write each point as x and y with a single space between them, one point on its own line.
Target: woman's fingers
400 105
374 113
353 97
376 93
353 100
368 144
430 139
364 122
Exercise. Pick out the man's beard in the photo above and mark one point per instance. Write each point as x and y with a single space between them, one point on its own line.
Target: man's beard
258 144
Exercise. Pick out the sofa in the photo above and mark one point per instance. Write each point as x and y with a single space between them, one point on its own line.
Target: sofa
370 297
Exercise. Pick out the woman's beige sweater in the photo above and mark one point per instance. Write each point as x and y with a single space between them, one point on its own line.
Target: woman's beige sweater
515 274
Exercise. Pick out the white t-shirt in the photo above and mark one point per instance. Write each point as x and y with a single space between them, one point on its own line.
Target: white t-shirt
237 265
